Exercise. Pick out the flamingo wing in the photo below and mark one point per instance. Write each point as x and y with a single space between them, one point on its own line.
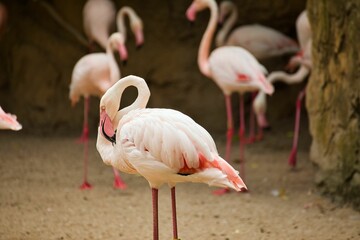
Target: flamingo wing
166 146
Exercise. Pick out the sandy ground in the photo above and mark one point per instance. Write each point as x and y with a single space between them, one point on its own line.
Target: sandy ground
40 198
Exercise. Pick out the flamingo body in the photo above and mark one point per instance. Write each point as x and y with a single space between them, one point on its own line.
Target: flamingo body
234 69
263 42
166 146
9 121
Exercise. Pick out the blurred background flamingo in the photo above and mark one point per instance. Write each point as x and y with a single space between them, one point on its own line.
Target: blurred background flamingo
233 69
304 61
136 24
92 75
263 42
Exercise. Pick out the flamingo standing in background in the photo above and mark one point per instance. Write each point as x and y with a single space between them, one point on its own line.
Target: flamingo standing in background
163 145
3 17
305 61
8 121
263 42
98 16
136 24
92 75
233 69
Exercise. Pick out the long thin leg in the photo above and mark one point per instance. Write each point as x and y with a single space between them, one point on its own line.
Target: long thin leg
118 182
292 157
241 137
86 184
229 135
174 217
85 133
155 214
230 127
252 137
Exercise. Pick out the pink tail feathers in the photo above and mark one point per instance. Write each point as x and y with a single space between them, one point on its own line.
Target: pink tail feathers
232 175
234 180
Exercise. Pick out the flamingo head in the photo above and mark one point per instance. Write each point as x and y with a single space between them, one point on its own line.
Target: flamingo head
224 10
137 29
196 6
117 42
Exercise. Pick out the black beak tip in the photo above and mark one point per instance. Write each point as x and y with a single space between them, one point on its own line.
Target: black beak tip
124 62
138 47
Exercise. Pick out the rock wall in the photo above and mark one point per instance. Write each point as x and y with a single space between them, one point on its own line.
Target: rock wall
37 56
333 97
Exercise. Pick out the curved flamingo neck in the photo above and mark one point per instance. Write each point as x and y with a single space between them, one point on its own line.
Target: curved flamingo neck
297 77
112 98
204 49
228 24
113 66
120 19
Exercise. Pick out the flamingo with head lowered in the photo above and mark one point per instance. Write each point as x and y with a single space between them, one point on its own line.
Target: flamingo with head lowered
232 68
263 42
162 145
136 24
92 75
304 61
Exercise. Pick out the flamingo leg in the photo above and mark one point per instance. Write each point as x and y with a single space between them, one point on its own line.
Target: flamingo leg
174 217
85 133
252 137
86 185
292 157
241 137
155 214
230 127
229 135
118 182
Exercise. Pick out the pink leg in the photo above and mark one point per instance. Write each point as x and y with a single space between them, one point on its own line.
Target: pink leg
85 134
173 204
241 137
118 182
229 135
230 128
292 157
252 137
85 139
155 214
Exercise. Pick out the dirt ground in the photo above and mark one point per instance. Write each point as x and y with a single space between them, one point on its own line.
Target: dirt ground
40 198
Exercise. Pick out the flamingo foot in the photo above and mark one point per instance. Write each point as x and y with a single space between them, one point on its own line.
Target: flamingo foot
221 191
292 158
86 186
84 137
119 184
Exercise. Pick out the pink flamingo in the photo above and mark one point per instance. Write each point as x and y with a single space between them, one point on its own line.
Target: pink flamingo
3 17
163 145
92 75
263 42
233 69
305 62
136 24
8 121
98 16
